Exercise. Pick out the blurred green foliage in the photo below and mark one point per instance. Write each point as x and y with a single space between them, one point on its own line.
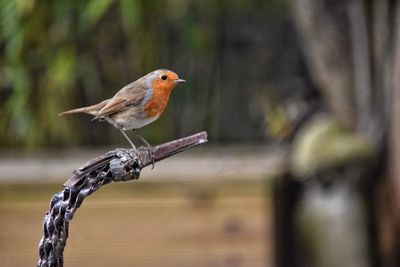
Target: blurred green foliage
58 55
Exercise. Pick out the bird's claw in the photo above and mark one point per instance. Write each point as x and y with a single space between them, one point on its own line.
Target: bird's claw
152 157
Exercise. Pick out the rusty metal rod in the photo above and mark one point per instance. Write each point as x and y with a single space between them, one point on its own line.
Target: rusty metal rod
114 166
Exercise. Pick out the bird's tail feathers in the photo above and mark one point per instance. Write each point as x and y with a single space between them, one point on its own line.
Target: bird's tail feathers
92 110
77 110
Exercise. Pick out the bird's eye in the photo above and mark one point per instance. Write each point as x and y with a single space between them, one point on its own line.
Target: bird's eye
163 77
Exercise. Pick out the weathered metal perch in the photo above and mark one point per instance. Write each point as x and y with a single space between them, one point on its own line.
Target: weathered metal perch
114 166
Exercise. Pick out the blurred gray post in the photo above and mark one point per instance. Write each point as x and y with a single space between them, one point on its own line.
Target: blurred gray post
331 223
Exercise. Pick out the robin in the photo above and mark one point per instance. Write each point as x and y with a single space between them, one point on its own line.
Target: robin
137 104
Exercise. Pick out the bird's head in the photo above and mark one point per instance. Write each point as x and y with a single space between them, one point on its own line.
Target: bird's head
164 80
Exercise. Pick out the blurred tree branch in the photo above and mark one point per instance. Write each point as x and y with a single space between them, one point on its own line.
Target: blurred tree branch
327 56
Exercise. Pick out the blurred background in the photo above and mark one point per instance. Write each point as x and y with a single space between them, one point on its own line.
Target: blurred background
300 99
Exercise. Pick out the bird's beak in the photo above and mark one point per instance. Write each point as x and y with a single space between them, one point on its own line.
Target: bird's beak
180 81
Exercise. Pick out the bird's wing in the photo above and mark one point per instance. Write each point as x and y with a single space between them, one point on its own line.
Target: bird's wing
130 95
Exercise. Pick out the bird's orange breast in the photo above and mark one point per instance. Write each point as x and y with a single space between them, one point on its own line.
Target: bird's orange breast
159 100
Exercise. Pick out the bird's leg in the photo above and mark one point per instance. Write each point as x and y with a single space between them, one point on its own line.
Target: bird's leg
148 145
144 141
127 138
